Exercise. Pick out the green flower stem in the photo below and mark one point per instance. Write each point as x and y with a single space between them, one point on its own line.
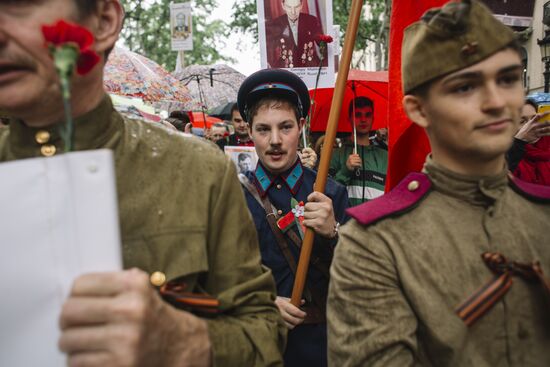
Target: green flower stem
65 60
67 130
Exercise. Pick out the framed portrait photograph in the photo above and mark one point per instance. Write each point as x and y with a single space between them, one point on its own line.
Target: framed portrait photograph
181 27
245 158
289 32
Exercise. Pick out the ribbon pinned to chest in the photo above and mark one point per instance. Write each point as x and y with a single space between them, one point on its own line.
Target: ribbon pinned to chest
175 293
293 217
487 296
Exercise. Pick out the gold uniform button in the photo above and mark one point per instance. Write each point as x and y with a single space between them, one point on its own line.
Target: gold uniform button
48 150
413 185
279 212
42 137
158 279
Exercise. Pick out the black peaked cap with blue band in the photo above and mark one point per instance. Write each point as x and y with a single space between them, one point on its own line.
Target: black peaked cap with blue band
272 82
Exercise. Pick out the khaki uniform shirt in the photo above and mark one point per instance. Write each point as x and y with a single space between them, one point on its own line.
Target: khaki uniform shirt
395 284
182 212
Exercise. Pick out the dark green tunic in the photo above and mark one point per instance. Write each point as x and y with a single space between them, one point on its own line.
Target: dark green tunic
395 283
182 212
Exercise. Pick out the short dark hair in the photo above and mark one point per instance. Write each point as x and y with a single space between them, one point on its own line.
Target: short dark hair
178 119
180 115
272 101
221 124
86 7
234 108
242 156
360 102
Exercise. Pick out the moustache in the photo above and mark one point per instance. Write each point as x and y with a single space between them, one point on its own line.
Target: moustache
275 151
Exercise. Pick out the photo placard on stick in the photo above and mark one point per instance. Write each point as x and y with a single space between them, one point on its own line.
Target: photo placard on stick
245 158
181 27
289 33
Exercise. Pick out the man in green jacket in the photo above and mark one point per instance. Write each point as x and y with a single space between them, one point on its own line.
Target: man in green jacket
362 172
448 268
197 235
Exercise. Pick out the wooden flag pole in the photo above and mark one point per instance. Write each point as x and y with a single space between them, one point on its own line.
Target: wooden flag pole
326 152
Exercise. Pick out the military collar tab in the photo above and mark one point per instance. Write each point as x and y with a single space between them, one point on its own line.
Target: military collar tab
262 180
531 191
405 196
292 178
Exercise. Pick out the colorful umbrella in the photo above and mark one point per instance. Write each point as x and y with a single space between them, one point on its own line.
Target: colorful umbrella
370 84
212 85
130 74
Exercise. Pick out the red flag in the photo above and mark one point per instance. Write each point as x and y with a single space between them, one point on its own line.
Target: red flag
408 143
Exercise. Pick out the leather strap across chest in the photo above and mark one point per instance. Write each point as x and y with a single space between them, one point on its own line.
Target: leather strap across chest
271 217
316 302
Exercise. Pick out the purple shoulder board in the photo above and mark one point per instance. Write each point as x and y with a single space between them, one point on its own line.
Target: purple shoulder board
403 196
530 190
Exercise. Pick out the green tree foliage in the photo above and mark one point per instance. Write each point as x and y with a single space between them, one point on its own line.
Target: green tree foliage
373 27
147 31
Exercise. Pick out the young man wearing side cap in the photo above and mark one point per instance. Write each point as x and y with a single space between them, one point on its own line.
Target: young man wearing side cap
275 102
422 276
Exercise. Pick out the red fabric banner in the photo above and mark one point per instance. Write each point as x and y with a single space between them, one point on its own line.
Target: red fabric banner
408 143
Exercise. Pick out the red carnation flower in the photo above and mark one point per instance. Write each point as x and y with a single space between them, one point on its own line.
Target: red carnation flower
63 34
324 38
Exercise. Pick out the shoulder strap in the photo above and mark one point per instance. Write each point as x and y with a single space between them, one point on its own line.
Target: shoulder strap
253 191
317 313
271 216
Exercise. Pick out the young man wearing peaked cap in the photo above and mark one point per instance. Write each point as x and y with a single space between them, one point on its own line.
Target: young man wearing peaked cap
423 275
275 102
198 241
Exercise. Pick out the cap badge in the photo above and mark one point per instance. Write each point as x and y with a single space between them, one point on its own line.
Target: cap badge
470 48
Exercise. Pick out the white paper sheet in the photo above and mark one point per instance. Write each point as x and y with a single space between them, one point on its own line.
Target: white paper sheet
58 219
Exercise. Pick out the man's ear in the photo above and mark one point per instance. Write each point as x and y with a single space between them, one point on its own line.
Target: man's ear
415 110
110 16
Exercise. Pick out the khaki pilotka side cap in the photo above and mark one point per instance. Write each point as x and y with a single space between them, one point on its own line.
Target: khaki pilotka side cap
450 38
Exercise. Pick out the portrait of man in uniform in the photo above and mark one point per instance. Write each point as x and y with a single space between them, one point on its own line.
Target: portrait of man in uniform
292 37
244 157
245 162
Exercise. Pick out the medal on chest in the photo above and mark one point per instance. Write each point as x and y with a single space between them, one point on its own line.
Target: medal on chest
295 217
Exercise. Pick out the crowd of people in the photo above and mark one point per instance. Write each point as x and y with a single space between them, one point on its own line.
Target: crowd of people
446 269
